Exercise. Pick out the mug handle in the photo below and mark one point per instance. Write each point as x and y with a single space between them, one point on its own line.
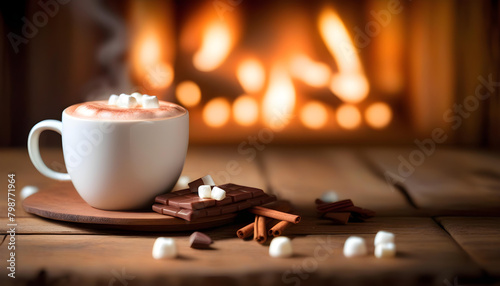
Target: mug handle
34 148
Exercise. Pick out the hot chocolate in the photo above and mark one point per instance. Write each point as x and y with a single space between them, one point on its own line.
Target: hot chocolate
103 110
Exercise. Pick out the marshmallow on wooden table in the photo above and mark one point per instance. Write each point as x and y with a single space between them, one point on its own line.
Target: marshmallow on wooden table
205 191
113 99
126 100
385 249
355 246
150 101
383 237
164 247
28 191
138 97
329 197
218 194
281 246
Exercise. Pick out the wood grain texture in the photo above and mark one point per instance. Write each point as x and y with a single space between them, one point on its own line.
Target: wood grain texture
479 237
301 175
430 254
446 180
62 202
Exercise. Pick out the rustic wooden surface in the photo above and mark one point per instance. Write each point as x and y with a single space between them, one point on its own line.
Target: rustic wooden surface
61 202
432 250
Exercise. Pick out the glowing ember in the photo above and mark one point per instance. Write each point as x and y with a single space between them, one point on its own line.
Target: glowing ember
348 116
350 84
245 110
378 115
279 99
215 47
251 75
216 112
188 93
315 74
314 115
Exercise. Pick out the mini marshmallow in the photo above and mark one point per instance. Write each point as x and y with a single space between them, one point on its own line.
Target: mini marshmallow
383 237
183 182
218 194
355 246
205 192
150 101
385 249
28 191
113 99
137 97
280 246
126 100
207 180
329 197
164 247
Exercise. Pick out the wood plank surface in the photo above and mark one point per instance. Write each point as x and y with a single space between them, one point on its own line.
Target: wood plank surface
424 252
447 179
301 175
479 237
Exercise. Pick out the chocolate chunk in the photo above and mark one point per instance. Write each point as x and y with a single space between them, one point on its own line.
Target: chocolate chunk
207 180
200 240
189 206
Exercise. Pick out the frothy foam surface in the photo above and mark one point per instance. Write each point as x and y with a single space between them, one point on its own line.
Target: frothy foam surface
103 110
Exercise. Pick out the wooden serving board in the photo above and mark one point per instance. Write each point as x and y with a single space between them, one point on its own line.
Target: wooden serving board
62 202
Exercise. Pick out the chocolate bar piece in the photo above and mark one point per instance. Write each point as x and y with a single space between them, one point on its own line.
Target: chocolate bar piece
193 214
189 200
207 180
200 240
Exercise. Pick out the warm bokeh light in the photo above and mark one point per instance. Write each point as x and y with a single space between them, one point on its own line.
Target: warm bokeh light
378 115
149 64
315 74
348 116
279 99
188 93
245 110
350 88
215 47
314 115
152 45
340 45
251 75
216 112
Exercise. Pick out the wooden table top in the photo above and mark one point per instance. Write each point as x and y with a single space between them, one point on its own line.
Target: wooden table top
444 211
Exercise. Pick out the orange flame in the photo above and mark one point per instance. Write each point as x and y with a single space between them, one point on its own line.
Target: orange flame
215 47
152 45
350 83
279 99
315 74
251 75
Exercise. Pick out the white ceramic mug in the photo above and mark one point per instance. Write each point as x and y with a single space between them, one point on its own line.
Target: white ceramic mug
117 164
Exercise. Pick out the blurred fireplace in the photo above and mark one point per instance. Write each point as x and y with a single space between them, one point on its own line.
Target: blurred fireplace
359 72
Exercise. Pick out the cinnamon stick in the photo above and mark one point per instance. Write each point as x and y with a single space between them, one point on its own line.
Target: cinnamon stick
278 229
261 211
245 231
339 218
259 231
